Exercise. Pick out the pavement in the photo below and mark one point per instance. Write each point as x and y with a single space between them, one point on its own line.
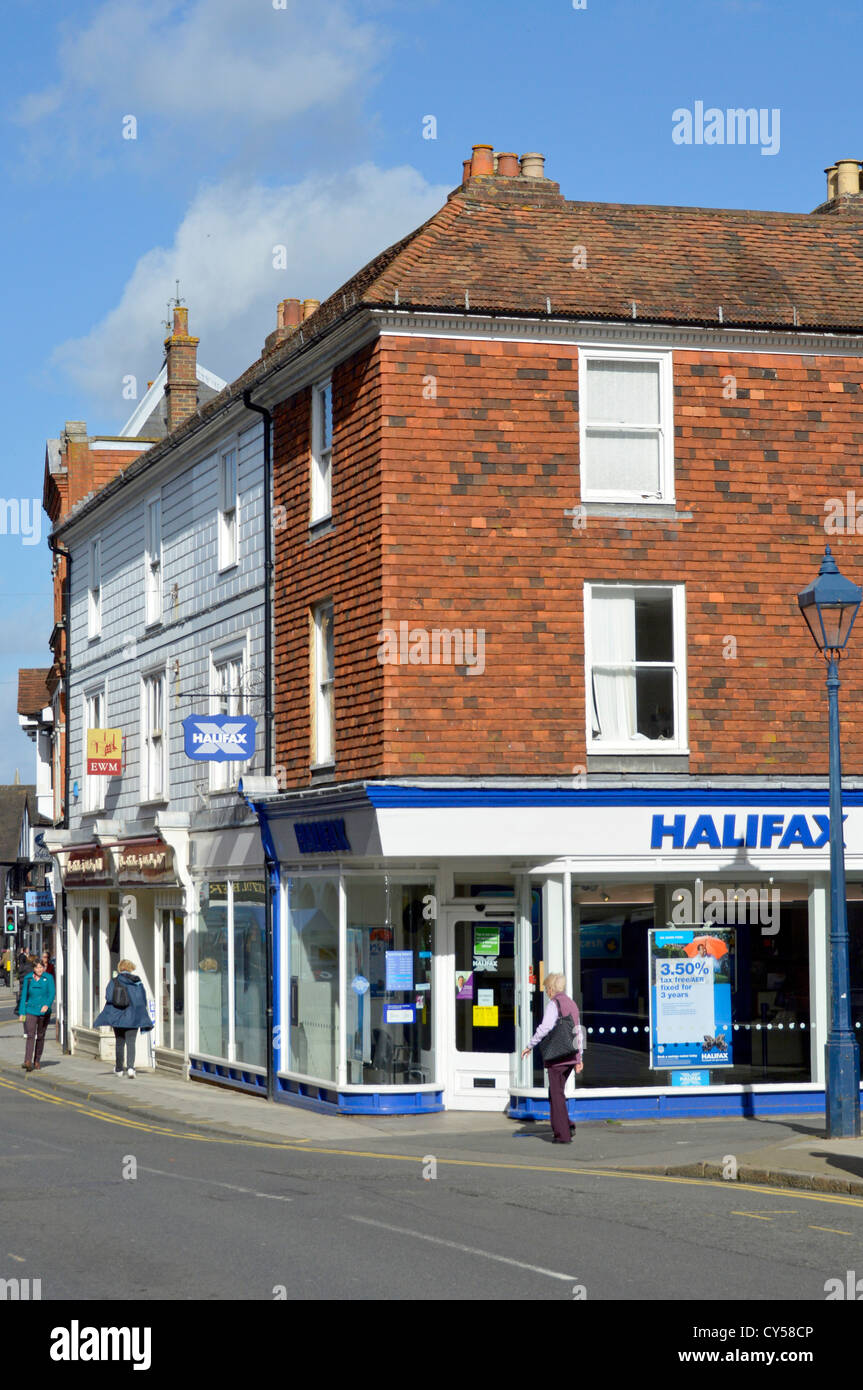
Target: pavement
776 1150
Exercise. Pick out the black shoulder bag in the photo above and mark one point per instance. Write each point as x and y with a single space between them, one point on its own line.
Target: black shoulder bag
561 1042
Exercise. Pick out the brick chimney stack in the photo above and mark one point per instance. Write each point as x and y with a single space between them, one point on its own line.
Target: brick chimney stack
181 388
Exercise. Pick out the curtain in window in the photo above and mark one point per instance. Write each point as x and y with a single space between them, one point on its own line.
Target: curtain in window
612 617
623 436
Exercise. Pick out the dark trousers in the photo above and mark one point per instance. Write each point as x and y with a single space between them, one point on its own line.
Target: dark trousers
558 1075
125 1040
35 1026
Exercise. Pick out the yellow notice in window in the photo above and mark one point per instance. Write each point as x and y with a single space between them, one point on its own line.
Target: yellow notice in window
485 1017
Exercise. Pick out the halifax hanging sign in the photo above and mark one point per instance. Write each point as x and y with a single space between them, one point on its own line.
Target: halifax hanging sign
219 738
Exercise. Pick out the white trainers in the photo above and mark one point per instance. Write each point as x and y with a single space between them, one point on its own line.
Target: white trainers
131 1071
118 1071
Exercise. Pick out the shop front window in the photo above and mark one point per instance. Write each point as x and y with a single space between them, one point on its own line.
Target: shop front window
313 972
768 972
390 952
213 973
250 972
171 974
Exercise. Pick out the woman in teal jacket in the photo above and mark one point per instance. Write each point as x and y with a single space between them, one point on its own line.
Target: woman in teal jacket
37 996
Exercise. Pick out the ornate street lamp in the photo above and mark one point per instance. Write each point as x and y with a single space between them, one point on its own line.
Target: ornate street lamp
830 607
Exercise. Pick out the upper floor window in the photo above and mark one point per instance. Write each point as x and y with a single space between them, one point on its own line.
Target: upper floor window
323 674
322 451
636 673
94 589
228 509
154 739
626 444
153 560
94 718
228 698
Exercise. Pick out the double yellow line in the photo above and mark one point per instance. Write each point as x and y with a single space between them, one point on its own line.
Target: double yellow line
303 1146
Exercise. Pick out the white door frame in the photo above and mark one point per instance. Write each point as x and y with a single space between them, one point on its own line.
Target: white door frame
459 1069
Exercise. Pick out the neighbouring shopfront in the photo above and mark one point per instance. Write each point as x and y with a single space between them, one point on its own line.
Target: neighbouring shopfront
125 900
416 924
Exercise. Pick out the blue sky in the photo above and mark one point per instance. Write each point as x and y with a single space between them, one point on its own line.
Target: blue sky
302 125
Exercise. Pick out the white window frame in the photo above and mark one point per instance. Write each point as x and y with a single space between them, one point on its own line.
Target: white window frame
229 508
666 424
154 744
321 455
152 562
94 787
323 712
224 776
641 747
94 588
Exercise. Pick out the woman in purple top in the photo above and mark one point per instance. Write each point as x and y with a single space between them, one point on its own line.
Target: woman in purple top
558 1072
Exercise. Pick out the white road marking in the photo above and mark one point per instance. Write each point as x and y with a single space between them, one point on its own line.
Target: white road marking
209 1182
465 1249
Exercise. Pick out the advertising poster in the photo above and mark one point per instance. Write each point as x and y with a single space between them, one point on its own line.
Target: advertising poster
463 984
400 970
486 941
690 997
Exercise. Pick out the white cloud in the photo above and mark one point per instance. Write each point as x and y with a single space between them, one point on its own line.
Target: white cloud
223 257
208 64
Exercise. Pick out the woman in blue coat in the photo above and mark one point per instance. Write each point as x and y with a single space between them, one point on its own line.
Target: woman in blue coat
125 1011
34 1010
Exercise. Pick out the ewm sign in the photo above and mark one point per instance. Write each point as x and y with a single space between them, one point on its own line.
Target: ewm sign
219 738
755 831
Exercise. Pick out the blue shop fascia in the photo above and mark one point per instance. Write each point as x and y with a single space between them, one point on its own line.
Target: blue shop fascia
414 922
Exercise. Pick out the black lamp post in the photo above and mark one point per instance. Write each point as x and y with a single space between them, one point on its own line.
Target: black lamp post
830 607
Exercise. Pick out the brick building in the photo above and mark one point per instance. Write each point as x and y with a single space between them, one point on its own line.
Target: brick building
548 476
546 479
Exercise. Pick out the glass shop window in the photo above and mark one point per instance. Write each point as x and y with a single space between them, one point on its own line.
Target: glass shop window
390 952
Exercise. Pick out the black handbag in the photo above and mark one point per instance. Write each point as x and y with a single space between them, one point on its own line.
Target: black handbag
561 1042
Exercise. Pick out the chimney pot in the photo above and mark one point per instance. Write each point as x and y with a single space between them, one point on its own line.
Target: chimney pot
181 321
309 307
482 164
507 165
289 313
831 182
533 165
466 170
847 176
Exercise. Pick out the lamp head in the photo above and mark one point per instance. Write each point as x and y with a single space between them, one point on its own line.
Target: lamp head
830 605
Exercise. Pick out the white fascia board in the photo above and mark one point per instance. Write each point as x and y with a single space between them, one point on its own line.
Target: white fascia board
145 405
633 333
209 378
103 444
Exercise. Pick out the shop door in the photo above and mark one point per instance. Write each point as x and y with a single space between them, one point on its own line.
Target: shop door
481 1026
170 955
